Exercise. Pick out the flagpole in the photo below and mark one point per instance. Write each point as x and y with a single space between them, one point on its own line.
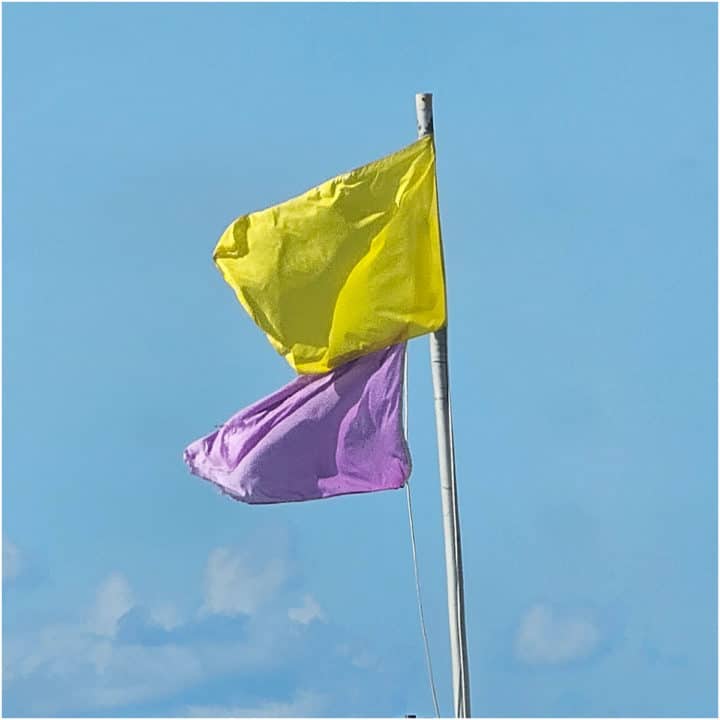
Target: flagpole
448 488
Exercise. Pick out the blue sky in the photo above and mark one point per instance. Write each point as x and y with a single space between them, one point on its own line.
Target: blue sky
577 150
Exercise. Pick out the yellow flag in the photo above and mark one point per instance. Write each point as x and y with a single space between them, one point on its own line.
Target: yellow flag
352 266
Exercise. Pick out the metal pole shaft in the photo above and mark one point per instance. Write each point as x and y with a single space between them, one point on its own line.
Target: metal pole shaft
448 489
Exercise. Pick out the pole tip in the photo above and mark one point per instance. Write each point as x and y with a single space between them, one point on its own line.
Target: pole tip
424 113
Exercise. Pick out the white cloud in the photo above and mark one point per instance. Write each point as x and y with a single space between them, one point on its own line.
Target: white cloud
166 616
115 656
135 673
11 560
236 585
304 704
307 612
114 598
544 638
364 660
82 671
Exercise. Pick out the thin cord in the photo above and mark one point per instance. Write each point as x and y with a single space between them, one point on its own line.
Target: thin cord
428 661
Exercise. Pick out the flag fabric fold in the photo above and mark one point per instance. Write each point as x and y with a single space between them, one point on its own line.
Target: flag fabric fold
348 268
319 436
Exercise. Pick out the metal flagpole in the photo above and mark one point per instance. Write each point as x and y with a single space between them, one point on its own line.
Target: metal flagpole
448 488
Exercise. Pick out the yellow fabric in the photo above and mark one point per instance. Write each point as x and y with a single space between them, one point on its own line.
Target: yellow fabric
349 267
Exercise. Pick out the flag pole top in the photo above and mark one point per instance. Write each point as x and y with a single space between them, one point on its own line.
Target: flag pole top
423 107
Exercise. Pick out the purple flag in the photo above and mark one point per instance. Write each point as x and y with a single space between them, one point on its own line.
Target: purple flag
319 436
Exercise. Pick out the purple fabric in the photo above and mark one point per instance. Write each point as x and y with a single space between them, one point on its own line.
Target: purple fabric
319 436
